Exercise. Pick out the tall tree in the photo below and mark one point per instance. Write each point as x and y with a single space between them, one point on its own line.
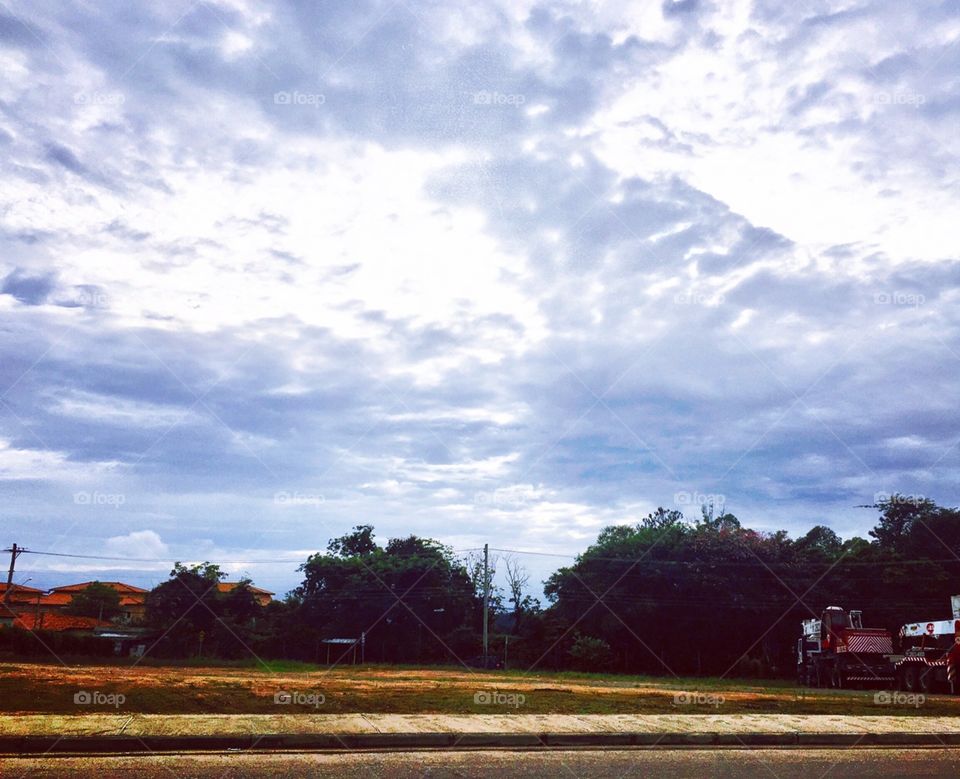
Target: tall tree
195 618
97 600
411 599
517 580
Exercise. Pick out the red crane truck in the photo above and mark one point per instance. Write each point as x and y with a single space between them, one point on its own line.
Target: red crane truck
837 651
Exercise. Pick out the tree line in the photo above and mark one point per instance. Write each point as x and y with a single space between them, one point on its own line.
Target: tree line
666 595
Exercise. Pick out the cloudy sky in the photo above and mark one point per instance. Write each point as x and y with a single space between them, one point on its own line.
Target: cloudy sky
503 272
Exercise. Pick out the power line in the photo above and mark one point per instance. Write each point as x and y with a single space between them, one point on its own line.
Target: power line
276 561
584 557
161 560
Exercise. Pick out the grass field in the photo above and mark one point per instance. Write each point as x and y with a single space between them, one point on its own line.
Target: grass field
41 688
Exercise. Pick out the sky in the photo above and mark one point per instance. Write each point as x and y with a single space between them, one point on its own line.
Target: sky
498 273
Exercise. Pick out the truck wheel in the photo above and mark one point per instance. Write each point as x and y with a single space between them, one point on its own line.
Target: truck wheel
910 680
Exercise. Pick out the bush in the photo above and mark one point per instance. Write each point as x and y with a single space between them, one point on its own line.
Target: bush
590 654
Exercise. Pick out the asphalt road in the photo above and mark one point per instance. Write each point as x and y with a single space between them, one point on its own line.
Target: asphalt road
616 764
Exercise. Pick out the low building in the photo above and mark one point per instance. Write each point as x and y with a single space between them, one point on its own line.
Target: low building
263 597
46 610
133 600
128 641
19 594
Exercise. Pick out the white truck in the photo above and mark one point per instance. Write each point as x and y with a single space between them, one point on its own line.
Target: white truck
930 654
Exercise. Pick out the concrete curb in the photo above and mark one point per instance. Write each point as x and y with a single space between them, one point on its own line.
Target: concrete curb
52 745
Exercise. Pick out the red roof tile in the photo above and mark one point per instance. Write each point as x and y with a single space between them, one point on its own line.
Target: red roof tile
19 593
118 586
58 622
18 588
228 586
56 599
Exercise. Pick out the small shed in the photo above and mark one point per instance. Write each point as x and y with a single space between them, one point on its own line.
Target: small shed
127 641
350 645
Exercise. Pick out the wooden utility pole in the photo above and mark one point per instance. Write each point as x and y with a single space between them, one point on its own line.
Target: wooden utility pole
486 602
15 552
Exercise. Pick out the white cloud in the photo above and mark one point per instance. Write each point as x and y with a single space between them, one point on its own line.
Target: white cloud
144 544
694 247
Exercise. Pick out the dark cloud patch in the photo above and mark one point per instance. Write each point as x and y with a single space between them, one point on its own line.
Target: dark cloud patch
28 237
16 31
30 290
891 68
810 96
122 230
679 7
65 158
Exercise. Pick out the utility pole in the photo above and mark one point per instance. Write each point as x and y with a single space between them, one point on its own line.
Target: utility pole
486 601
15 551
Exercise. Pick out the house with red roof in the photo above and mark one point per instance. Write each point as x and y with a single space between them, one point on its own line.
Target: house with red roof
133 600
35 609
263 597
19 594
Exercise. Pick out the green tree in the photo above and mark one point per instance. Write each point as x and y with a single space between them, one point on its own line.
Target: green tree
195 618
899 517
410 598
820 543
359 543
97 600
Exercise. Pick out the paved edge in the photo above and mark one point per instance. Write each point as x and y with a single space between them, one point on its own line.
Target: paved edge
53 745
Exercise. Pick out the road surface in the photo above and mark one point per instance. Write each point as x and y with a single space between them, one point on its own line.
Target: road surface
616 764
